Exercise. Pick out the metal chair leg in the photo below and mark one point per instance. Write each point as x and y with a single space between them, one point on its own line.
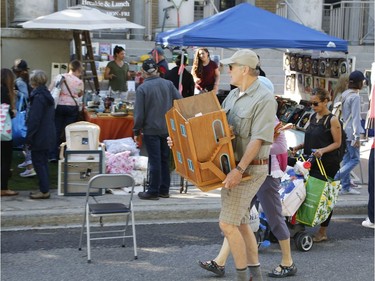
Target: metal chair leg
82 230
88 236
133 232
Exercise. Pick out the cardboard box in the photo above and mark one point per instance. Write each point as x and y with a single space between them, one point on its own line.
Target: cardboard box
202 148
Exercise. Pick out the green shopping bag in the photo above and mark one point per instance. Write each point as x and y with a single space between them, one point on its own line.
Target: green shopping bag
321 197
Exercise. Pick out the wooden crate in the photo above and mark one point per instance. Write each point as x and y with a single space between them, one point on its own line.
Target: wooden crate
202 148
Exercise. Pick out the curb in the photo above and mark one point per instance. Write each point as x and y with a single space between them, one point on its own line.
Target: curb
59 218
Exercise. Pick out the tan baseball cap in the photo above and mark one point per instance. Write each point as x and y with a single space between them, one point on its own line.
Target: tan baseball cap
243 57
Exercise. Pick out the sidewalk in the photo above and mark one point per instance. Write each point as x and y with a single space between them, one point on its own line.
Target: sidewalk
22 212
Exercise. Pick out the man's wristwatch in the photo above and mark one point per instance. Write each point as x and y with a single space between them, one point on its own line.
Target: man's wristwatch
238 168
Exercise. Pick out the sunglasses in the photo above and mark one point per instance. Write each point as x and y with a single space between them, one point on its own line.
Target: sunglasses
315 103
231 65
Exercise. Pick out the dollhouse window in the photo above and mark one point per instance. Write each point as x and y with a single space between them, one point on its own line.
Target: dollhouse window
179 157
183 130
173 125
190 164
218 128
224 163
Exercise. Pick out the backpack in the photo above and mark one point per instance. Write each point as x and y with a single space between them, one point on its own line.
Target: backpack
342 149
337 107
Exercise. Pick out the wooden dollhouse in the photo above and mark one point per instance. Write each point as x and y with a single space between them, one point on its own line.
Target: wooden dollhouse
202 147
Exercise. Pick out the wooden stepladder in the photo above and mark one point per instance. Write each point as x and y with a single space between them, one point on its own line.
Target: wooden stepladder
90 75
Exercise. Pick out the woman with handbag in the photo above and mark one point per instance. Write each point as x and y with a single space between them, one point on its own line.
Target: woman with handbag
323 140
7 99
67 110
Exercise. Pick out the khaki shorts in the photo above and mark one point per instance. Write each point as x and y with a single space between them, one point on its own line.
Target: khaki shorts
235 202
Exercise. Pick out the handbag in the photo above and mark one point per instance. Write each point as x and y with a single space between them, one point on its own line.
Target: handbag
55 92
19 129
321 197
292 194
81 115
5 123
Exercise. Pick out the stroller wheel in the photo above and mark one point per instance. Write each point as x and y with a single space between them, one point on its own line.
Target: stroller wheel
303 241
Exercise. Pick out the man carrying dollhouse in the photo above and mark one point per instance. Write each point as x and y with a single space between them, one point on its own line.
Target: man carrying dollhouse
251 109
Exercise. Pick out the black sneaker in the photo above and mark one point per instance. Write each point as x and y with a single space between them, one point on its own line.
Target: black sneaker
283 271
164 195
213 267
147 196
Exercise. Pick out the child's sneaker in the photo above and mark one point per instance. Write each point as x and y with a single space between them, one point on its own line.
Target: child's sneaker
28 173
368 223
24 164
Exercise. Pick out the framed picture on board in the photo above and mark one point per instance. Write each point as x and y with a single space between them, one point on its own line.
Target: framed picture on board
300 83
316 82
290 81
95 48
322 83
308 84
104 48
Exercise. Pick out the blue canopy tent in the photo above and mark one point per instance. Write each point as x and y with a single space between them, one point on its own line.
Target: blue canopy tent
246 26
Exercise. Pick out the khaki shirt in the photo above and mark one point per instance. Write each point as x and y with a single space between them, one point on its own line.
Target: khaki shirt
252 116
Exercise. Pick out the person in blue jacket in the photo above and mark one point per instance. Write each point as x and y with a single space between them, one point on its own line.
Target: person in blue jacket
40 124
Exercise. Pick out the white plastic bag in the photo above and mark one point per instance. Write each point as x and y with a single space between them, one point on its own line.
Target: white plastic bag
55 92
292 195
254 219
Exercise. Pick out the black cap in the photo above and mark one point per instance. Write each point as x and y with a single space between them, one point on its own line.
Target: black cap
149 66
20 65
356 76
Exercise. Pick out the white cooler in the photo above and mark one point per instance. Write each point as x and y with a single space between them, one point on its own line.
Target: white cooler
82 136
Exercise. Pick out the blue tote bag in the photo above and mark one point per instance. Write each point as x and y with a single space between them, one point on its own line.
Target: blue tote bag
19 129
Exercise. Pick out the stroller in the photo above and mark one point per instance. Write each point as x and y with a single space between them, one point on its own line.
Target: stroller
302 239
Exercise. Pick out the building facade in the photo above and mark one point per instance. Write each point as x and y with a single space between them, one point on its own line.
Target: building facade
349 20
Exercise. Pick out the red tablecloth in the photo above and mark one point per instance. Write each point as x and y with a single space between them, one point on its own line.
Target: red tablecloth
111 127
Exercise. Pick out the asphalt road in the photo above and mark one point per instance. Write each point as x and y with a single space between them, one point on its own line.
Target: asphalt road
170 251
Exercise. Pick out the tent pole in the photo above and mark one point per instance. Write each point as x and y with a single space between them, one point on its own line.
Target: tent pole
213 5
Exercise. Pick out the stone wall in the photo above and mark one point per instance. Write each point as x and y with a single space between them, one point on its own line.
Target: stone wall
38 48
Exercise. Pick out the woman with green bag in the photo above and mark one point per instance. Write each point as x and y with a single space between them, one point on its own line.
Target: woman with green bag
323 140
